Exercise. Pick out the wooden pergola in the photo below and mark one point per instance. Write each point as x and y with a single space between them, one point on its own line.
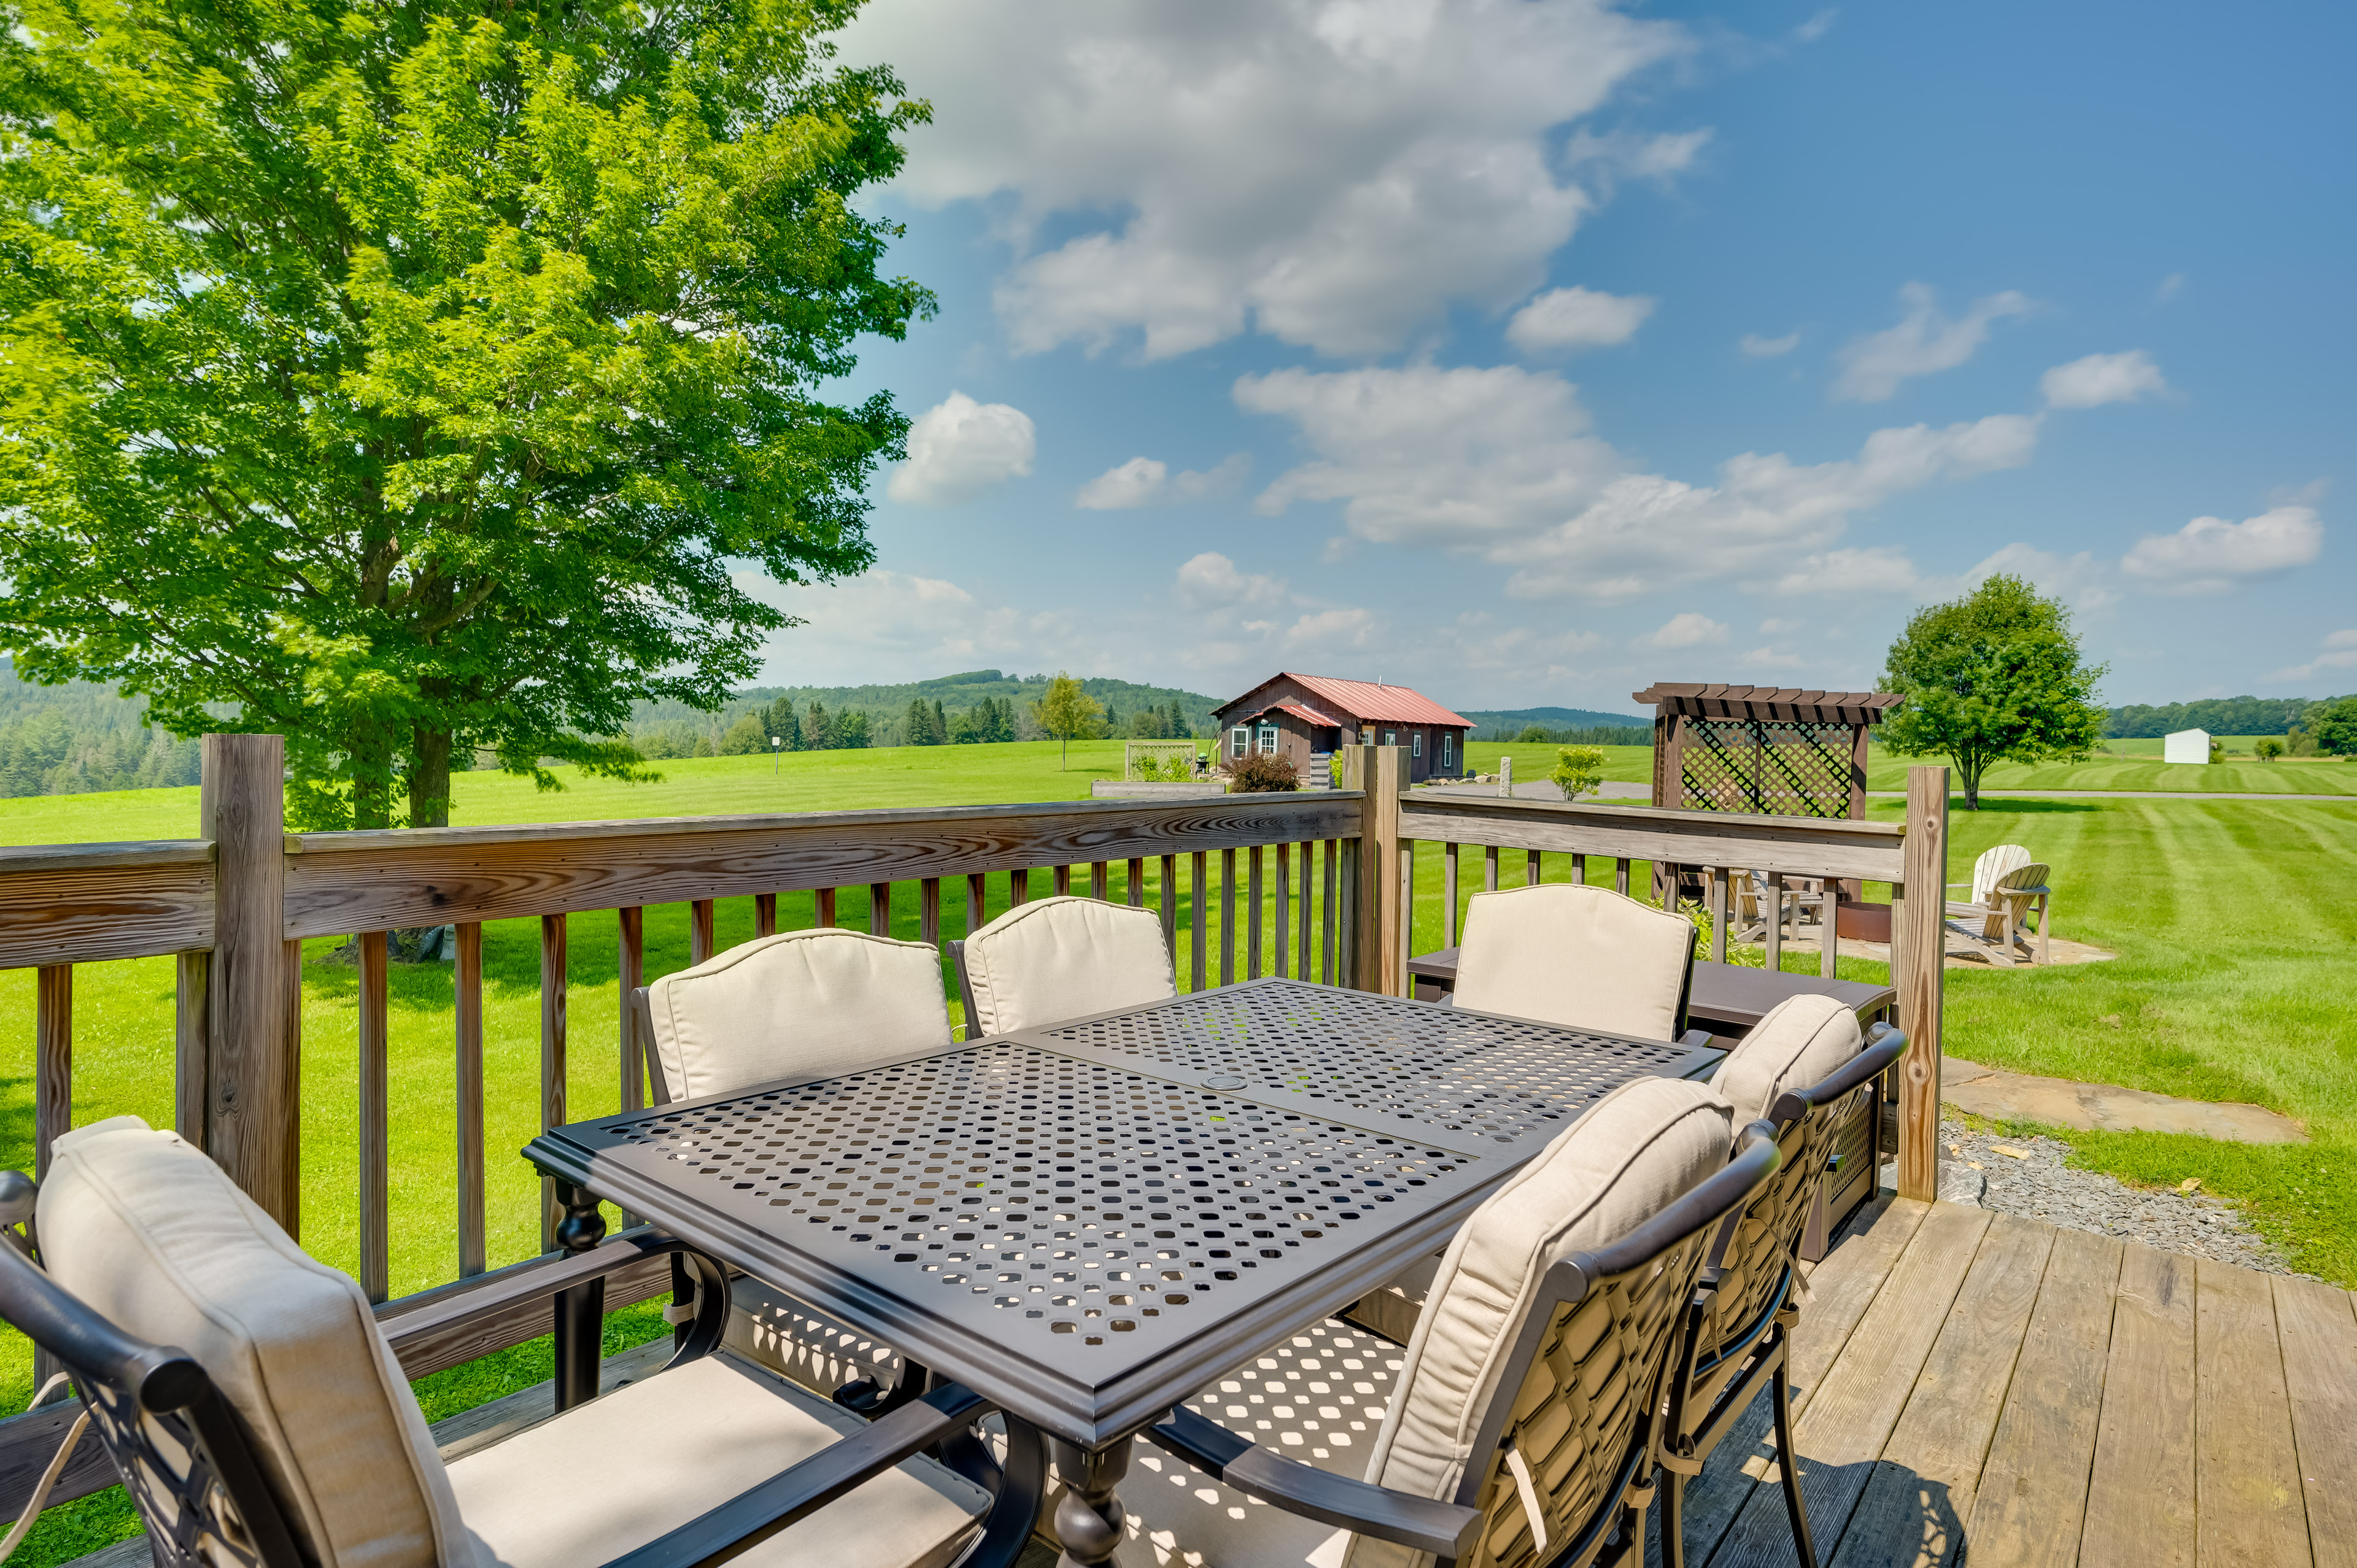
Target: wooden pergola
1762 751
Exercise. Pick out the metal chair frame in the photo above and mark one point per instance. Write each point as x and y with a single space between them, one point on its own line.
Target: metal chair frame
187 1459
1720 1372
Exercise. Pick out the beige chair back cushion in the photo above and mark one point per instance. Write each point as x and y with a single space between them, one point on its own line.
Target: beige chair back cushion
1992 867
1801 1040
806 1004
1569 954
1064 958
155 1236
1636 1149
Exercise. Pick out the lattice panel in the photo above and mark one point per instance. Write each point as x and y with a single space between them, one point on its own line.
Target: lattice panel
1783 768
1376 1062
1042 1198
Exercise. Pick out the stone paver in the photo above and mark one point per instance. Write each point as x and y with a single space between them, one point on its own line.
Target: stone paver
2058 1101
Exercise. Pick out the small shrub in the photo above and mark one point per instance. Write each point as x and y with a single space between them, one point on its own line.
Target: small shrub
2217 751
1578 771
2268 749
1263 773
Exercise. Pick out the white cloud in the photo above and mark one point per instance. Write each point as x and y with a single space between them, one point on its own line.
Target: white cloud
1815 27
2340 653
1688 629
2168 288
1210 581
2099 378
1924 341
1501 463
1575 319
1760 348
2209 554
1335 173
959 448
1631 154
1147 481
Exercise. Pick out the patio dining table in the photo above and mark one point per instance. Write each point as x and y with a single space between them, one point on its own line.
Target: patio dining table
1086 1222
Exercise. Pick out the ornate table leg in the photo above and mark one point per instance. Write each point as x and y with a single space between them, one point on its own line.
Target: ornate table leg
581 1311
1089 1518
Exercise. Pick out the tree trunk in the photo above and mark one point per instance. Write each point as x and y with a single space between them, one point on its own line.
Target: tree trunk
1971 769
429 778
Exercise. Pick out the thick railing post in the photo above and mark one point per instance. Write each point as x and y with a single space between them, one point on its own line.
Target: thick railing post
1920 977
251 1096
1377 930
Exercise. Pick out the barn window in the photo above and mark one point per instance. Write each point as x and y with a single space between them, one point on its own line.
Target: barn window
1418 747
1448 749
1239 740
1390 737
1268 737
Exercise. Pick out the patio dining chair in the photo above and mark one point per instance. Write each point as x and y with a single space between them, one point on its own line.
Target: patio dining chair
1580 956
810 1004
1060 958
1516 1427
259 1418
1797 1071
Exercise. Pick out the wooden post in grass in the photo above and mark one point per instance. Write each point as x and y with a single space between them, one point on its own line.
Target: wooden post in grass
1920 975
251 1099
1378 928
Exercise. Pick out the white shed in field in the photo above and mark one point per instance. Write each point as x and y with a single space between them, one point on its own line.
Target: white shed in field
2186 746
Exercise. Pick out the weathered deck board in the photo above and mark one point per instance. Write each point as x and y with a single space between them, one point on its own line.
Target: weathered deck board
1997 1391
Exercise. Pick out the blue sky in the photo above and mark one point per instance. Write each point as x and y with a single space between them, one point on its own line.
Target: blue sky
1529 352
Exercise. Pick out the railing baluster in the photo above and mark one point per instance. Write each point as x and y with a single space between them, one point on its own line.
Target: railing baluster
879 909
929 912
977 902
290 974
1019 889
1621 875
1775 916
1718 914
467 984
52 1089
1253 920
1099 887
1579 869
1448 895
1137 880
1407 916
552 1049
1284 908
1333 905
1170 908
376 1228
1064 881
825 901
1202 896
1531 869
1302 957
191 1044
629 973
1227 917
1831 953
699 931
1489 868
764 915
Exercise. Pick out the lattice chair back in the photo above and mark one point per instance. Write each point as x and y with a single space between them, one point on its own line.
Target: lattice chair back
1532 1388
1061 957
800 1004
1568 953
259 1419
1992 867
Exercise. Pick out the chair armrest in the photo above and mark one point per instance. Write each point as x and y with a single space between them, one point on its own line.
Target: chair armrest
752 1517
1420 1524
1697 1041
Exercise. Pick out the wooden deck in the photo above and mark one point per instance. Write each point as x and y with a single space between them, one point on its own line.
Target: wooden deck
1971 1383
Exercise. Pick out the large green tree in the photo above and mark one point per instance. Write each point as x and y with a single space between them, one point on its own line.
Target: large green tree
1994 676
417 377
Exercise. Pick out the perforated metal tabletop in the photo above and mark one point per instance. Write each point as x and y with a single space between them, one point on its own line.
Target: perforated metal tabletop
1088 1221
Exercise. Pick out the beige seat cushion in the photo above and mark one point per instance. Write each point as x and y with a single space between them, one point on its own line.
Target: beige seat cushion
1803 1040
1634 1151
1064 958
805 1004
1587 957
155 1236
618 1471
1318 1397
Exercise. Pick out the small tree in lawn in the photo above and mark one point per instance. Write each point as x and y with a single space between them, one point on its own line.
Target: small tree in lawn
1067 711
2268 748
1578 771
2334 726
1994 676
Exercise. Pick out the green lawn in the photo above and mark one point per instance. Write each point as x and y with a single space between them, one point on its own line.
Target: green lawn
2236 931
2292 775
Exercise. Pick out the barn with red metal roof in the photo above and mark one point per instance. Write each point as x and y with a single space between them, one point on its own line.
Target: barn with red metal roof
1304 716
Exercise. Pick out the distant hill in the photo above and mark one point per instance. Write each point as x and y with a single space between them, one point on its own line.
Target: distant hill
79 737
1579 726
2219 716
674 729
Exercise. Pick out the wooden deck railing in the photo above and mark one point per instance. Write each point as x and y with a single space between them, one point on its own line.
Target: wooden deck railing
234 907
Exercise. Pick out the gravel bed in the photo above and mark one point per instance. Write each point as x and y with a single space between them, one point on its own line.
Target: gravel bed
2043 1187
